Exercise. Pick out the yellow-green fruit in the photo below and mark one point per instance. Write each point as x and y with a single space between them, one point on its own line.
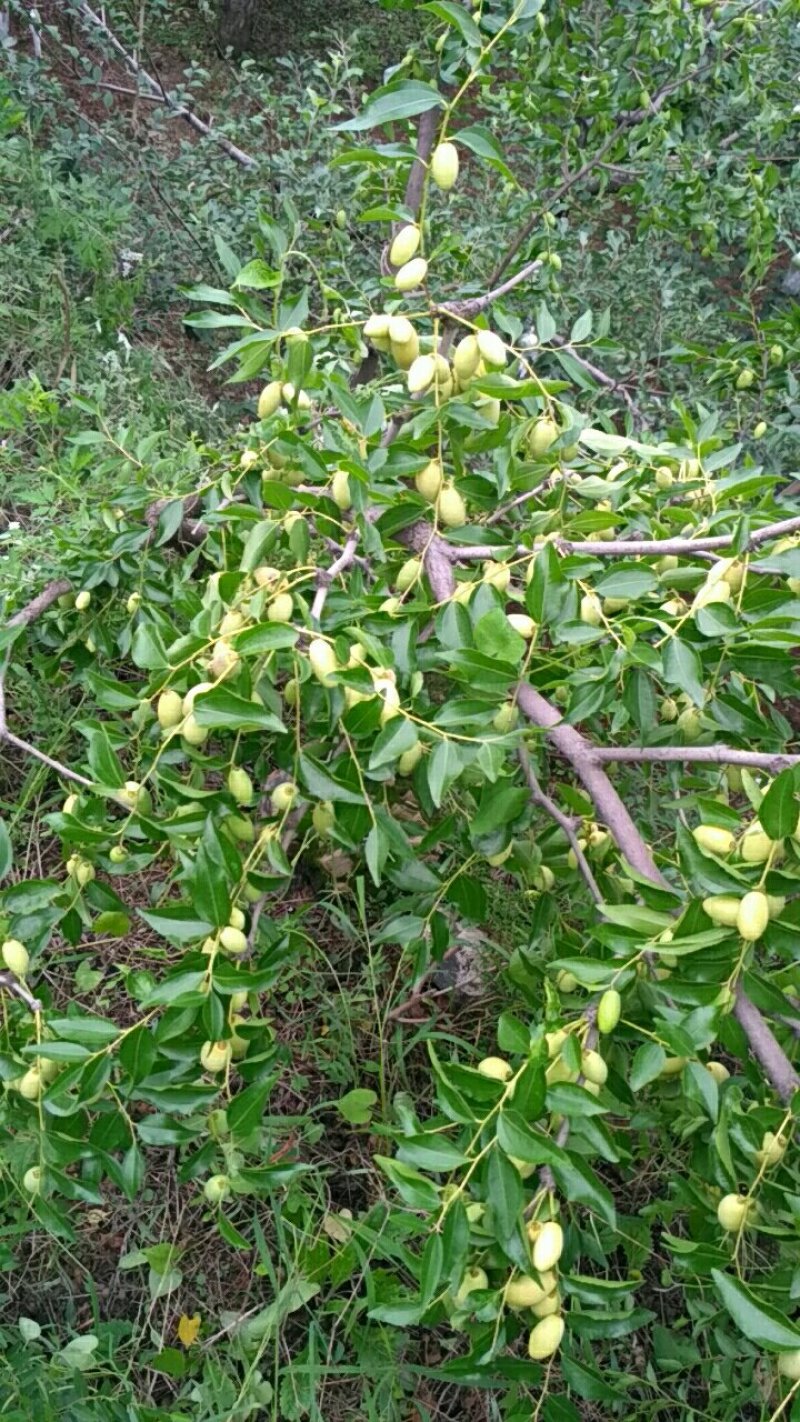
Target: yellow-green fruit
390 697
524 1167
429 481
566 981
522 624
497 575
789 1365
760 430
269 399
233 940
524 1292
323 817
376 331
500 858
450 507
444 166
340 490
591 610
30 1084
594 1068
714 840
240 786
136 797
776 355
745 379
753 915
232 622
71 804
15 956
216 1189
118 854
776 905
224 659
265 576
722 909
495 1067
718 1070
773 1148
322 658
543 434
421 374
291 691
410 759
169 709
32 1180
690 725
506 718
193 733
412 274
548 1247
545 1338
215 1056
673 1066
84 873
492 348
405 245
609 1010
82 600
664 477
472 1280
283 796
408 574
544 878
755 846
405 355
281 608
401 331
237 920
466 358
133 602
548 1306
732 1211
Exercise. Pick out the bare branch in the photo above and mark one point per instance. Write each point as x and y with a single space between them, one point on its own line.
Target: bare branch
9 982
40 604
764 1047
697 755
426 134
646 547
540 797
155 88
472 305
326 576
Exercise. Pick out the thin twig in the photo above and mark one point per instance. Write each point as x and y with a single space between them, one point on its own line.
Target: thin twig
697 755
9 982
540 797
154 87
326 576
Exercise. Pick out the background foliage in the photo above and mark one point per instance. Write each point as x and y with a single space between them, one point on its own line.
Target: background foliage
368 1164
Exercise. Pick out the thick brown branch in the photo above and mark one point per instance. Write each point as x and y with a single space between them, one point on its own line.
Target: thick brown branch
41 603
426 134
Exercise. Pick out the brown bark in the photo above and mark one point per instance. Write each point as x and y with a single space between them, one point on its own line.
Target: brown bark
235 24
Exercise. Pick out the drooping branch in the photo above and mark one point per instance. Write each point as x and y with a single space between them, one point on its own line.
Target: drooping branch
155 88
611 809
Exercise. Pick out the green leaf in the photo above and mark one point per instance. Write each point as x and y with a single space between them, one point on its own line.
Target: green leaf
581 1186
103 763
412 1187
571 1100
647 1065
137 1053
266 637
91 1031
683 668
397 737
357 1105
779 810
505 1192
397 101
457 16
759 1322
246 1110
179 923
443 767
323 786
431 1152
6 853
224 709
257 276
483 143
261 537
499 805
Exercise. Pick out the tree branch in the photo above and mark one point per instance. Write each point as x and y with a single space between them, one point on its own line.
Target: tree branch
41 603
472 305
540 797
11 983
426 134
158 89
326 576
696 755
646 547
610 808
